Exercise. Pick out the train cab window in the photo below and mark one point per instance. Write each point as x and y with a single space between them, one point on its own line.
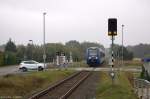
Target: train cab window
93 52
102 54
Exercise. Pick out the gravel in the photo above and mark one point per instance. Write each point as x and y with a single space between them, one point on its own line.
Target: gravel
87 90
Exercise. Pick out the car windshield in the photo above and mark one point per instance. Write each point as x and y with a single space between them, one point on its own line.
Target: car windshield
92 52
31 62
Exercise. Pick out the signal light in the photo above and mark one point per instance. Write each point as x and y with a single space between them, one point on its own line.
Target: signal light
58 53
109 33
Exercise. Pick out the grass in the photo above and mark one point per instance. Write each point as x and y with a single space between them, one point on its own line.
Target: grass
129 64
78 64
133 63
26 84
122 89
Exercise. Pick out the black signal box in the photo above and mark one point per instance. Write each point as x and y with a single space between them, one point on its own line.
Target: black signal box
58 53
112 27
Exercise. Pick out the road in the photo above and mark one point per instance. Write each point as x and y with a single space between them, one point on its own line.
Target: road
14 69
9 70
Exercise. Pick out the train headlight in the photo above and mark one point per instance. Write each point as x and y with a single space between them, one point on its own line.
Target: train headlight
90 57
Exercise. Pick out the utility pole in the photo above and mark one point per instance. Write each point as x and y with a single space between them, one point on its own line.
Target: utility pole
44 54
32 48
122 44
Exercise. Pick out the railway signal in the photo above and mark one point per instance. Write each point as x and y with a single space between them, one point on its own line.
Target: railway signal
112 31
57 53
112 27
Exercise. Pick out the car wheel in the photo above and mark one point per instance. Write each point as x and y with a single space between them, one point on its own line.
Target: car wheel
40 68
24 69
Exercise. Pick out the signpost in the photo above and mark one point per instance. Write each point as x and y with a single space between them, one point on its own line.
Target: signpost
112 31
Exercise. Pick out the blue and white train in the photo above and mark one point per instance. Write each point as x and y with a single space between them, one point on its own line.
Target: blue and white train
95 56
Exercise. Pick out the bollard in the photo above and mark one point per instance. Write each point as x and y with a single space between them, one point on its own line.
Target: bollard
147 87
142 91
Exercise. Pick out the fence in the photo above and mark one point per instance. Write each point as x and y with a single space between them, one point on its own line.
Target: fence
142 88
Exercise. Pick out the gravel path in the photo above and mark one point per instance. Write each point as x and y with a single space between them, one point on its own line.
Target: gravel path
87 90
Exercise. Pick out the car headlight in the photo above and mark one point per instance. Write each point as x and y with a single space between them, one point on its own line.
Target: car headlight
96 57
90 57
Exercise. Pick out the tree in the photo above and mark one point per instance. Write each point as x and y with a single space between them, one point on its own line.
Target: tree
10 46
140 50
73 43
10 53
143 73
127 55
10 58
1 58
20 54
29 53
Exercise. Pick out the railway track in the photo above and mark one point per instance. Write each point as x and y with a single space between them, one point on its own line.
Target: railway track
64 88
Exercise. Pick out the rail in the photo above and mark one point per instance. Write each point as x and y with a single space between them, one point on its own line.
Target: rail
64 88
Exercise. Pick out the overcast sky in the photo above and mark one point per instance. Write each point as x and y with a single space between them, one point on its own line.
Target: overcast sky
81 20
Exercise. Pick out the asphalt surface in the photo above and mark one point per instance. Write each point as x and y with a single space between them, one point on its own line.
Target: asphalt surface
14 69
9 70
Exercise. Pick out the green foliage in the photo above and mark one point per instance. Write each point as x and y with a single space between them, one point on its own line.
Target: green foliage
13 54
140 50
147 76
10 58
143 73
127 55
147 56
20 54
1 59
10 46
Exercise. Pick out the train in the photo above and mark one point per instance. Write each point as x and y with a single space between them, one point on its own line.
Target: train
95 56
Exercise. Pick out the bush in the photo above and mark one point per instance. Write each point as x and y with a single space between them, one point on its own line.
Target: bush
1 59
143 73
10 58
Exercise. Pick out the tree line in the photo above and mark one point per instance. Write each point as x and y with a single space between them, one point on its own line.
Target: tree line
127 55
140 50
14 54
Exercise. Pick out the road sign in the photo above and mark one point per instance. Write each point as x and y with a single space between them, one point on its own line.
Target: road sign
112 27
44 56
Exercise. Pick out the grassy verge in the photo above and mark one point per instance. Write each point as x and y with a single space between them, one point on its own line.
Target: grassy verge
122 89
133 63
78 64
25 84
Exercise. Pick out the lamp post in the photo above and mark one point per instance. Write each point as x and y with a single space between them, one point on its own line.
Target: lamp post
44 55
122 42
31 49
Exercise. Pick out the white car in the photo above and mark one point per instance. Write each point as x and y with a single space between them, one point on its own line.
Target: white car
26 65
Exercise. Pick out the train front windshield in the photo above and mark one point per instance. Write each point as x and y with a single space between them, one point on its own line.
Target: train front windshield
92 52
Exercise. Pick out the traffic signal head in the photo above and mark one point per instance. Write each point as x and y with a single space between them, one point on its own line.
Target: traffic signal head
58 53
112 27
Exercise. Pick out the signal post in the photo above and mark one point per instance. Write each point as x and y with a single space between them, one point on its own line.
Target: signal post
112 32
